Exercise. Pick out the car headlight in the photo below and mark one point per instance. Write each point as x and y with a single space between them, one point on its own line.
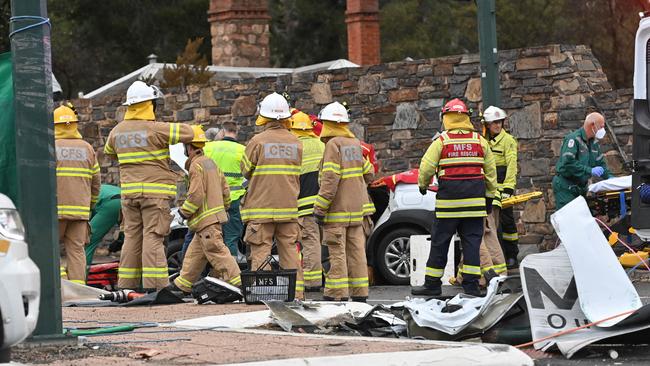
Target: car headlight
11 226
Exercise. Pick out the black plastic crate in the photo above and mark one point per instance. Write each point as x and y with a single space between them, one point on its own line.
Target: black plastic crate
258 286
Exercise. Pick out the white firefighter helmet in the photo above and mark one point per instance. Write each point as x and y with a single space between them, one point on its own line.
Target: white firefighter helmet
335 112
140 92
493 113
274 106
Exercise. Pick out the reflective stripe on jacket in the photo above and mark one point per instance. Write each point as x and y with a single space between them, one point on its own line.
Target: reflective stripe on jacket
77 179
343 196
228 154
458 198
461 156
271 163
142 149
312 154
208 196
504 149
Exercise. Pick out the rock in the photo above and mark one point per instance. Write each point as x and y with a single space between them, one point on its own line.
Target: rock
403 95
388 84
568 86
321 93
586 65
207 98
526 123
535 211
244 106
531 63
358 130
368 84
534 167
614 163
406 117
473 91
201 114
443 69
184 115
429 103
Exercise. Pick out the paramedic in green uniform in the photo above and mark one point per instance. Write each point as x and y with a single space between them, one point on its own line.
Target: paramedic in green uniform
105 215
580 159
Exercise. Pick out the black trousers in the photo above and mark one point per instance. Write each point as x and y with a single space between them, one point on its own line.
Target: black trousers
470 230
508 234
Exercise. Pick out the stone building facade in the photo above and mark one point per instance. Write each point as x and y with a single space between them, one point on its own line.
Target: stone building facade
546 90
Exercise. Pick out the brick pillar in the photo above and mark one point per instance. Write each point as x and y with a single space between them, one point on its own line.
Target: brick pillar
240 32
362 18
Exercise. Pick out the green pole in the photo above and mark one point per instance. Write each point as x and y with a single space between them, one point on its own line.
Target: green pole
487 43
32 73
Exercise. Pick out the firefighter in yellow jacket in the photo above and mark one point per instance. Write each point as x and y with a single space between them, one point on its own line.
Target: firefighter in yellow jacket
466 173
148 185
312 154
343 206
504 148
204 209
271 163
77 190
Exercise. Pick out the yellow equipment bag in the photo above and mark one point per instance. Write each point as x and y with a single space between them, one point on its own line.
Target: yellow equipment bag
520 198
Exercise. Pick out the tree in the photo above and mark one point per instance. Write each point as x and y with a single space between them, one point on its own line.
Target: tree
191 68
95 42
429 28
305 32
5 14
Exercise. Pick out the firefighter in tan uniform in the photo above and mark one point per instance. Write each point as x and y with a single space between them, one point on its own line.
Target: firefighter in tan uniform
271 163
205 210
77 190
343 207
141 146
310 240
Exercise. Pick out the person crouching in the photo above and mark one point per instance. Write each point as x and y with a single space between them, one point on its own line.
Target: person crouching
204 209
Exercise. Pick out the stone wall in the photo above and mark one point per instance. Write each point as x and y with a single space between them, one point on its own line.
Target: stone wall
546 90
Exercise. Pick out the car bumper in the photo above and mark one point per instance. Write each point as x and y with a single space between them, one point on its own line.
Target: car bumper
20 285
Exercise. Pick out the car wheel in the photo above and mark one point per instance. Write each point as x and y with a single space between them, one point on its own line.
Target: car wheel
394 256
174 256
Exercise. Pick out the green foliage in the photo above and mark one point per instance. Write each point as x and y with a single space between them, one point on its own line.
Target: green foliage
433 28
427 28
5 14
95 42
305 32
191 68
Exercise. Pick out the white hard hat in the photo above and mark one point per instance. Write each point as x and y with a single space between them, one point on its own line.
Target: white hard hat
274 106
493 113
335 112
139 92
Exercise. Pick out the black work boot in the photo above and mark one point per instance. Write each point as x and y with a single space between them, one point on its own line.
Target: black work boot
312 288
489 275
432 287
512 263
359 298
471 288
175 289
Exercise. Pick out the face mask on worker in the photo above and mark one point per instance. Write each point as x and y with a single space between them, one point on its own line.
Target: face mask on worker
600 134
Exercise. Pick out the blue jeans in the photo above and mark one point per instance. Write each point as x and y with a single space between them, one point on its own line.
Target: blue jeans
232 230
188 239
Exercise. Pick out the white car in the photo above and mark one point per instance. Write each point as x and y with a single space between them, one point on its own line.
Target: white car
20 282
388 247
